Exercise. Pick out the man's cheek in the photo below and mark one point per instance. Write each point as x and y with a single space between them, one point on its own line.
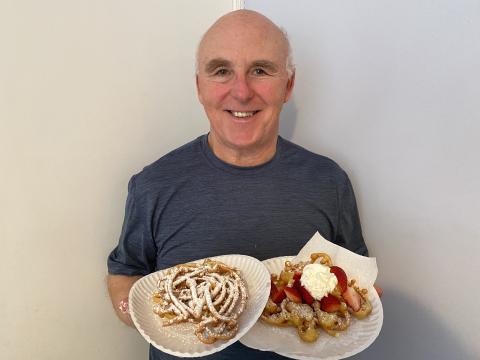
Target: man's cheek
216 92
270 92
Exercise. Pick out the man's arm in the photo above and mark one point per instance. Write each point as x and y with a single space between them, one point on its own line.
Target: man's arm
118 287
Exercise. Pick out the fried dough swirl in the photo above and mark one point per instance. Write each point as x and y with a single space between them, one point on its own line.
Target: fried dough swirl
212 295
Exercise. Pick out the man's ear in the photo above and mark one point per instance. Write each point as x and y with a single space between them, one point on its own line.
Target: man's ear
199 96
290 84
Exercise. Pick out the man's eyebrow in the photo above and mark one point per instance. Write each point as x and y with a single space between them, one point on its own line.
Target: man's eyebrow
266 64
213 64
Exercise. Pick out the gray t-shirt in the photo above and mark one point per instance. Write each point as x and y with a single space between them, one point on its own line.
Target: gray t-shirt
189 205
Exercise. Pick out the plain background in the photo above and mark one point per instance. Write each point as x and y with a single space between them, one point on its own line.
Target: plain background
92 91
390 89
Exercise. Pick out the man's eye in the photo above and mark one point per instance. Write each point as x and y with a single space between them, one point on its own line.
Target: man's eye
259 72
221 72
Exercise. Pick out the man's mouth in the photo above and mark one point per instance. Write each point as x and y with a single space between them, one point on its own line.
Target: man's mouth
242 114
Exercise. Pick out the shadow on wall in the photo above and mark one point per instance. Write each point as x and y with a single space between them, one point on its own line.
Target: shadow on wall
426 336
288 119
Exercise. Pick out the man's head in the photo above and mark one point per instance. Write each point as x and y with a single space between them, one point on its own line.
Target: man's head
244 76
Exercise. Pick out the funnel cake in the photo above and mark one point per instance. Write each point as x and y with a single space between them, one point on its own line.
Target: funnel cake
212 295
296 300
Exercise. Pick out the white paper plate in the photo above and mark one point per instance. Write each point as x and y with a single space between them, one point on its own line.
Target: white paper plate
285 340
180 340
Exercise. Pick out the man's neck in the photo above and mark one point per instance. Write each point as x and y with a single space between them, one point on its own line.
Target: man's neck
244 157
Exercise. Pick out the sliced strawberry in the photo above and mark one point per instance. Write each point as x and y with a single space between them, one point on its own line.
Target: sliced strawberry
273 288
330 303
297 284
341 277
296 280
293 294
353 299
297 275
307 298
279 295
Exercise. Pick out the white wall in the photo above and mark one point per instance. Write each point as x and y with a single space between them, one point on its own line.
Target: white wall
90 92
390 89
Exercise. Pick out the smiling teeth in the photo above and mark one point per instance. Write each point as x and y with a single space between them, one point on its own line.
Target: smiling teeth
242 114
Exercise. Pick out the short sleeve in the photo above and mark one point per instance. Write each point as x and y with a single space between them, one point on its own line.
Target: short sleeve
349 232
135 253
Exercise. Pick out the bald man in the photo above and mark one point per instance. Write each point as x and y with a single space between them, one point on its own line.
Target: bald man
241 188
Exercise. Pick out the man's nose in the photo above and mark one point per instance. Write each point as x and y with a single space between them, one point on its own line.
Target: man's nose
241 89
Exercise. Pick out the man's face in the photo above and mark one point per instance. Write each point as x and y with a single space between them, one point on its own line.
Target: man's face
242 83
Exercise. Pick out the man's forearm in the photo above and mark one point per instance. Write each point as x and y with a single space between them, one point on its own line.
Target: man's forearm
118 287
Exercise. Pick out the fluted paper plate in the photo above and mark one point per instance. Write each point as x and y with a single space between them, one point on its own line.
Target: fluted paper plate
285 340
180 340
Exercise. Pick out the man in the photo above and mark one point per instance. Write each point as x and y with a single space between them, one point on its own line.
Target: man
241 188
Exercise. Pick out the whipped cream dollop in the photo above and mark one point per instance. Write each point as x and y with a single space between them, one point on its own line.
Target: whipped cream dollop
318 280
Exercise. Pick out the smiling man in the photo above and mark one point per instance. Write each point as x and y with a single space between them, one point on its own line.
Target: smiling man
244 77
241 188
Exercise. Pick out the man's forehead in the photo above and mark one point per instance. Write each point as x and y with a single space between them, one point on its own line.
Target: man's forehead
241 42
242 51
